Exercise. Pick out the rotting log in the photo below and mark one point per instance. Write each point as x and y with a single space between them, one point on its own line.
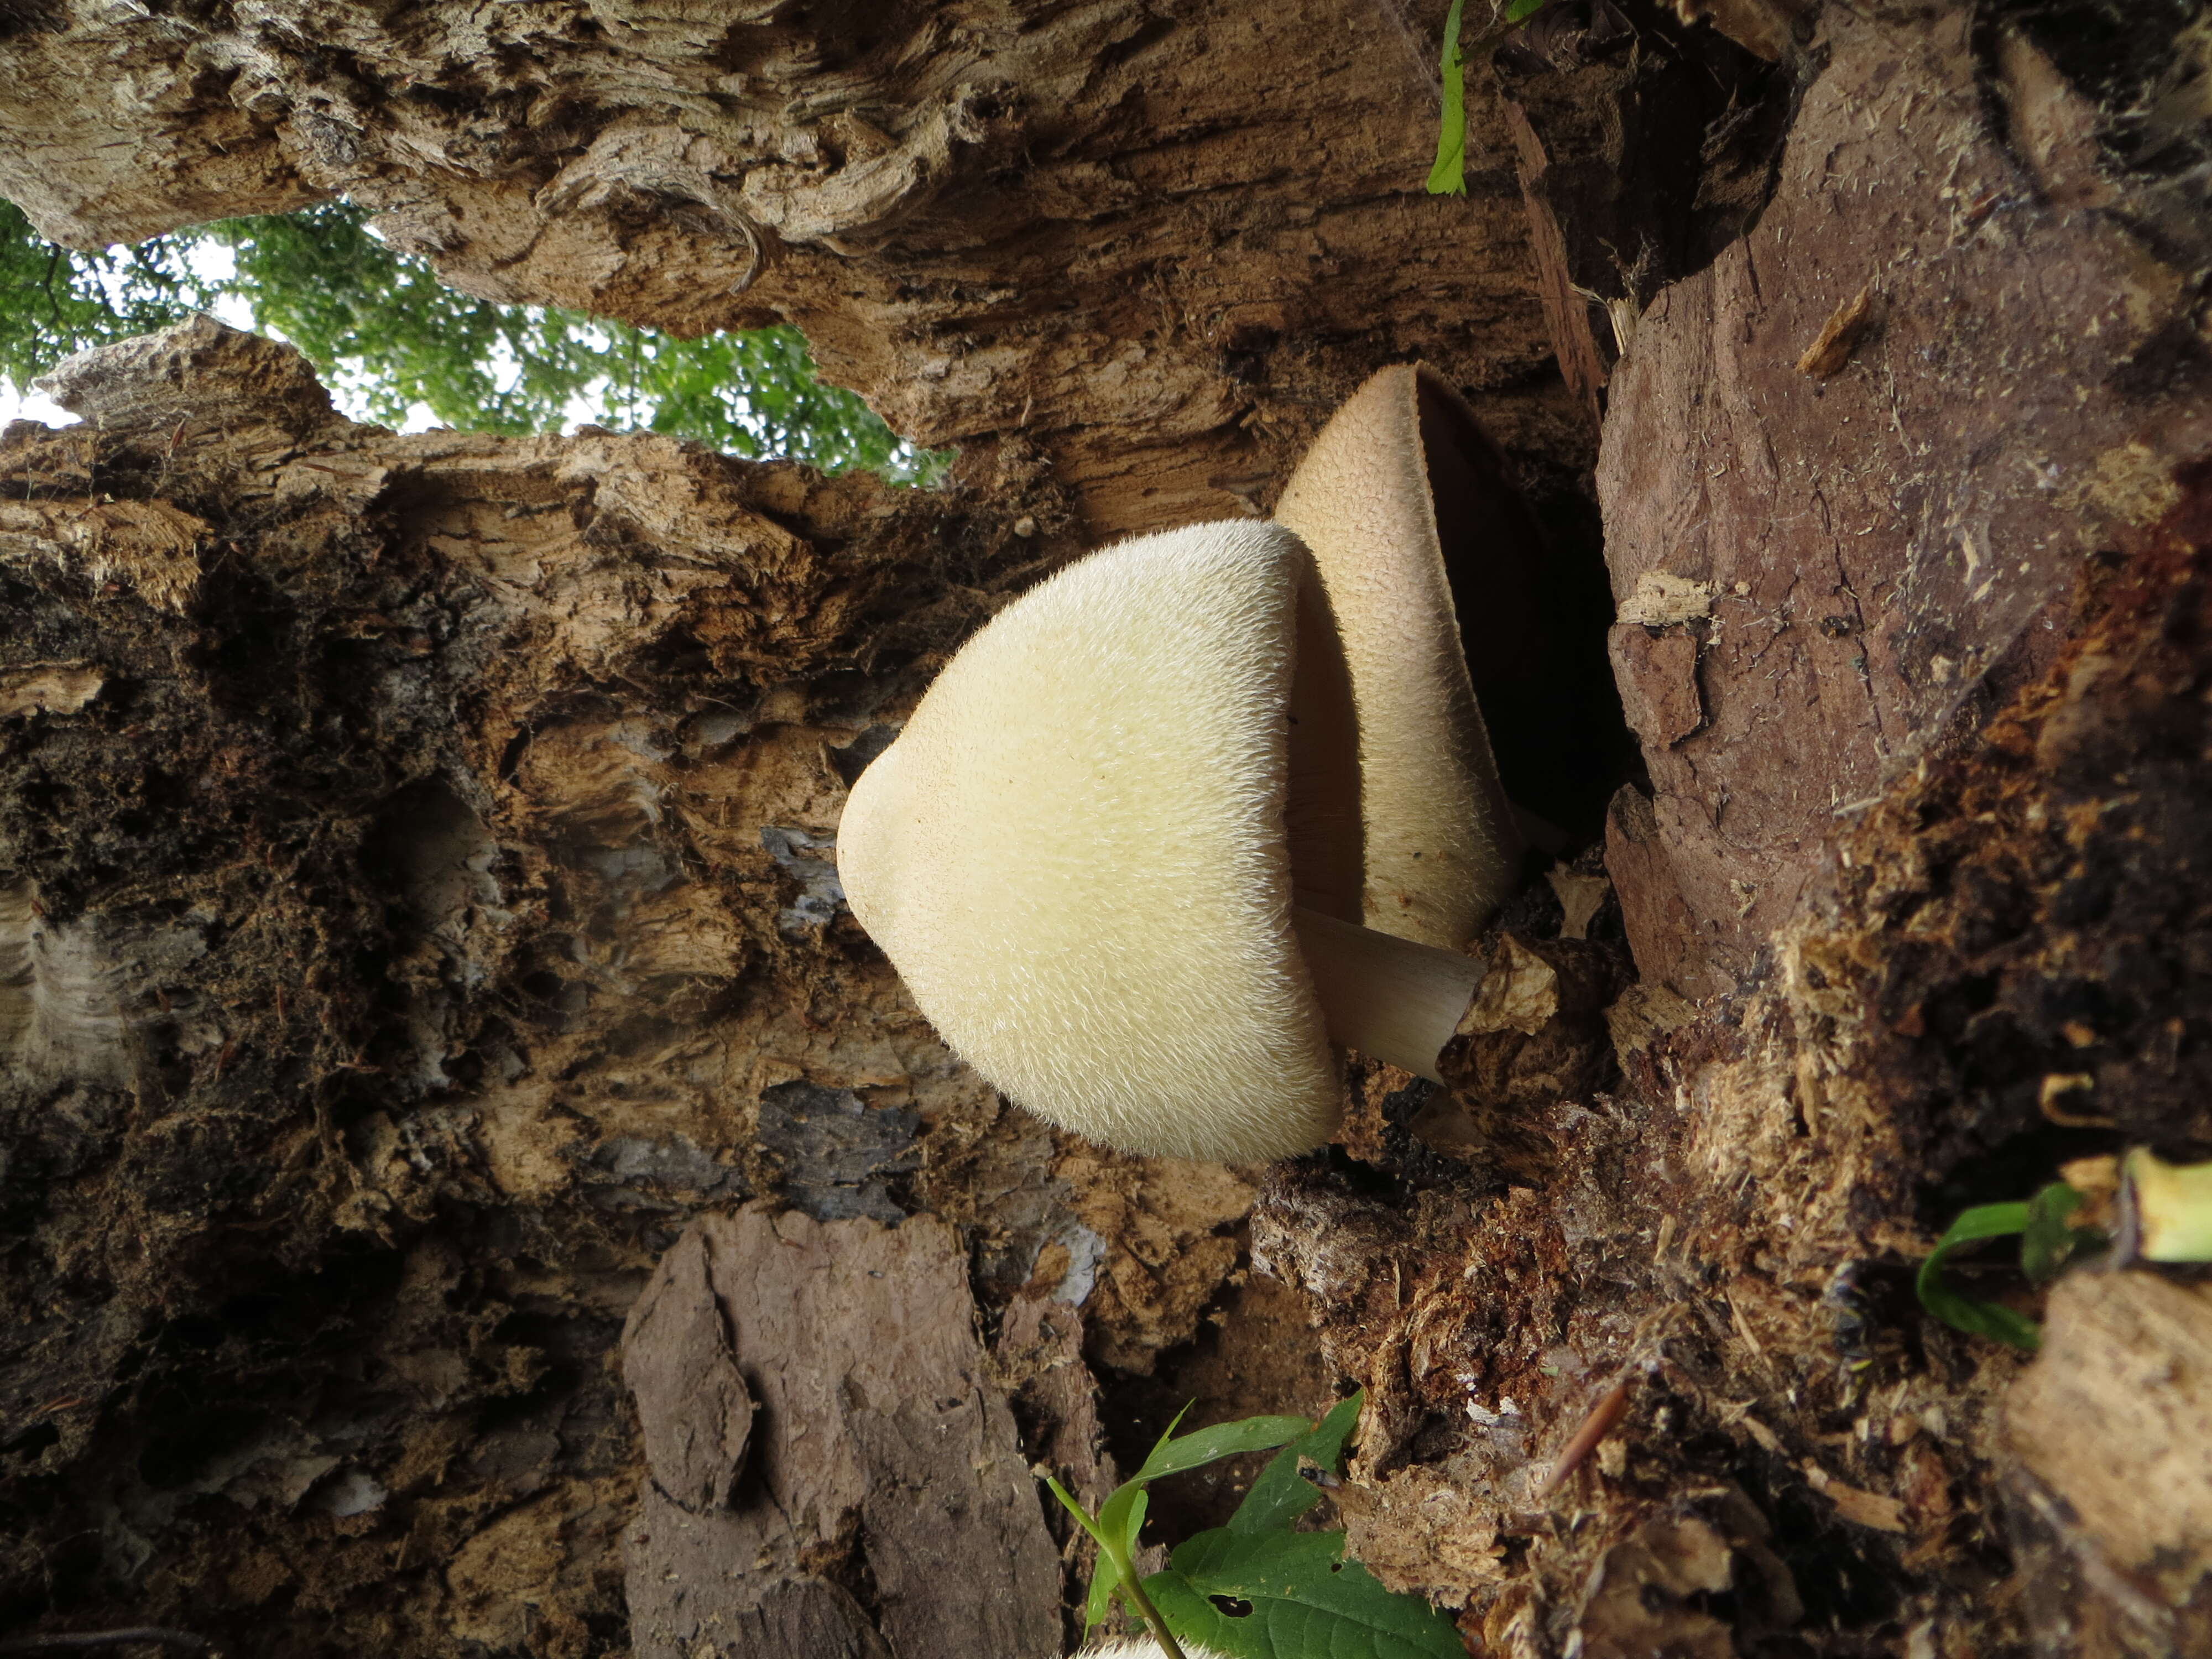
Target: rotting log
1152 242
414 852
418 905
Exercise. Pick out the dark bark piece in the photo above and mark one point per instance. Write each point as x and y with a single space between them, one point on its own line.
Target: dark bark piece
1875 543
1657 671
721 1586
707 1574
958 1551
1650 147
838 1154
1662 934
1041 1343
884 1450
693 1411
1566 311
810 1616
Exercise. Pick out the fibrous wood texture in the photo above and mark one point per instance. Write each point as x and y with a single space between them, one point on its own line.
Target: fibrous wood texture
419 903
1851 553
418 900
1150 239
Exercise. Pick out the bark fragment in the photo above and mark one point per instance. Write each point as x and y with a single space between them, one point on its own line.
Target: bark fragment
885 1454
2110 1425
1876 542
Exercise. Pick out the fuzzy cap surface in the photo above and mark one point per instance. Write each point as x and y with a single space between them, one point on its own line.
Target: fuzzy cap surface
1075 856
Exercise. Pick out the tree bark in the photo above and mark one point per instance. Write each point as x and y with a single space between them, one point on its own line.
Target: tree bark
419 936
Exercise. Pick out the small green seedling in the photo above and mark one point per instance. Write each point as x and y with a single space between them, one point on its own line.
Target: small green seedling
2047 1244
1448 174
1257 1589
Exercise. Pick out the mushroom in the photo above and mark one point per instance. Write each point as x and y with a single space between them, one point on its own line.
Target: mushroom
1144 1646
1401 470
1115 855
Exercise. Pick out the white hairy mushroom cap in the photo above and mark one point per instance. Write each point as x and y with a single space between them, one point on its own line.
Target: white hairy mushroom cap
1076 852
1142 1647
1441 849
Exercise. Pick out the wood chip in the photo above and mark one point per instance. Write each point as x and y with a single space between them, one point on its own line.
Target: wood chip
1661 598
48 687
1839 337
1863 1509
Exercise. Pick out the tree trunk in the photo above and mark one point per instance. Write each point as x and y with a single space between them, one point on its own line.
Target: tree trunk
420 946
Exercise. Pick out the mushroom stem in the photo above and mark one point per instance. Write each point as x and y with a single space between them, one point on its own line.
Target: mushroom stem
2172 1205
1392 998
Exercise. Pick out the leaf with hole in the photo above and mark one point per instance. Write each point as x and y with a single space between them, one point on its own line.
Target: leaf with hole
1277 1594
1282 1494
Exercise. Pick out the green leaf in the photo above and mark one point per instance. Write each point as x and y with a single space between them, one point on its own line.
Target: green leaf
1305 1602
2046 1243
1134 1524
61 300
1961 1312
1105 1579
1121 1518
1173 1455
393 340
1115 1529
1281 1494
1166 1439
1083 1516
1448 175
1521 10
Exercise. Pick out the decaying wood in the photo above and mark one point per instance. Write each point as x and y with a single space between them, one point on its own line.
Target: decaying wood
1566 312
1878 543
2109 1426
425 920
1154 241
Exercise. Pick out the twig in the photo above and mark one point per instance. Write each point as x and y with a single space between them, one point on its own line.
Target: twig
1608 1410
79 1641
